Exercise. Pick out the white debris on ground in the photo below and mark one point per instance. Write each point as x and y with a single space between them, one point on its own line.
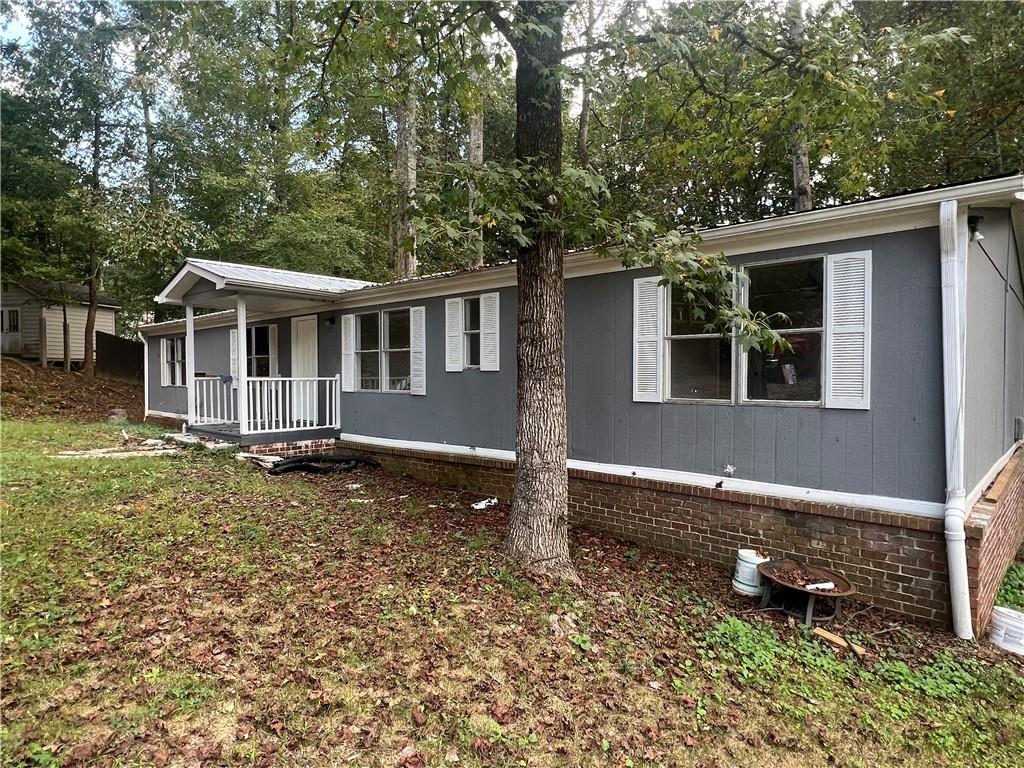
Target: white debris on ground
354 486
485 503
265 462
134 446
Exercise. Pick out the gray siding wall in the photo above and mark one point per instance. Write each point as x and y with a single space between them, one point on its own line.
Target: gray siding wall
995 344
893 449
470 407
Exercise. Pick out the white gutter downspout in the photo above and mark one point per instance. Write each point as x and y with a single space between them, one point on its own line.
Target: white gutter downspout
953 235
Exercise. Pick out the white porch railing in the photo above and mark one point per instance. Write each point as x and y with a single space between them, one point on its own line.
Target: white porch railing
274 404
215 401
285 405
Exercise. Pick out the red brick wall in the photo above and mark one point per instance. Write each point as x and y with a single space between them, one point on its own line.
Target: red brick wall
296 448
995 530
896 561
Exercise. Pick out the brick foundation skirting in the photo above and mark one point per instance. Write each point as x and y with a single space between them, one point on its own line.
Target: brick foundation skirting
896 561
294 448
995 531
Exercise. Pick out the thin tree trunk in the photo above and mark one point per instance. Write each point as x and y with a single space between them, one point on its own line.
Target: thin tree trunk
405 183
538 528
149 132
583 132
476 158
66 331
803 198
89 361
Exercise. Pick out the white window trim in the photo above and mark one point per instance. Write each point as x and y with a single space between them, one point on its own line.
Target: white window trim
166 362
743 399
666 356
466 334
382 351
250 350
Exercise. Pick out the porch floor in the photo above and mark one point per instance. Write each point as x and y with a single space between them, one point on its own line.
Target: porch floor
230 433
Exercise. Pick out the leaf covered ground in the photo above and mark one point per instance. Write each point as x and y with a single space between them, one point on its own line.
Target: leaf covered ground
32 392
191 610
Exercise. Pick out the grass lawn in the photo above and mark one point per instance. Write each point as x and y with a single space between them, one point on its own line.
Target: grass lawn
192 610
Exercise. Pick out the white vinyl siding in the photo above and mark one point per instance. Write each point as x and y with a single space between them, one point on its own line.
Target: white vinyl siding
648 321
848 330
77 313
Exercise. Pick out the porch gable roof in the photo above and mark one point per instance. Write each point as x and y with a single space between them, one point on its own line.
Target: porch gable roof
228 277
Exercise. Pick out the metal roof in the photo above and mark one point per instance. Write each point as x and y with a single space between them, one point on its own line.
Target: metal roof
231 277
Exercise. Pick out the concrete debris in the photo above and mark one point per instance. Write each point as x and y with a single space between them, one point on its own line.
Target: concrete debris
485 503
106 453
265 462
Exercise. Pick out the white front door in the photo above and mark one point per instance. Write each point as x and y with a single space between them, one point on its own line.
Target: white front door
305 393
10 331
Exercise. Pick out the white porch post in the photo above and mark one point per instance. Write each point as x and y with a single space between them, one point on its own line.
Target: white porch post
243 368
190 362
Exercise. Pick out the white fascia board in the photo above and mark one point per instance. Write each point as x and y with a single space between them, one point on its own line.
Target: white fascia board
930 509
226 318
187 277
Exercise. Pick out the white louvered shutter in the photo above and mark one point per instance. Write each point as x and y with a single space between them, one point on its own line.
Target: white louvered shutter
848 330
453 334
490 348
647 339
164 374
348 353
272 341
234 358
418 351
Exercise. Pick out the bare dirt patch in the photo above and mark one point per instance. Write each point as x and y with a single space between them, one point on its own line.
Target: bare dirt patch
29 391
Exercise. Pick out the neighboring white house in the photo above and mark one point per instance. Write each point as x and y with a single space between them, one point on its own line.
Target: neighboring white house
32 313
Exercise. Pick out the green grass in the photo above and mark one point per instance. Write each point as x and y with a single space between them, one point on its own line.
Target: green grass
1011 591
194 609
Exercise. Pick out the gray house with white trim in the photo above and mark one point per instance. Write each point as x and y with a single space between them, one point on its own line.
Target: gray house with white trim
900 401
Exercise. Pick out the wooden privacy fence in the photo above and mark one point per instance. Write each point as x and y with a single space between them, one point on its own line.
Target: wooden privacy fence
118 357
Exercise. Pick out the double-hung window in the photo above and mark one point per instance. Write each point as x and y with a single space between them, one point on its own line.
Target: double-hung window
795 290
173 362
368 351
384 351
699 359
258 351
820 306
471 333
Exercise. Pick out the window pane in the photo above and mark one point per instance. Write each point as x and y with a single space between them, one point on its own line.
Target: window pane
262 365
398 370
260 340
398 329
369 370
472 350
472 314
701 369
777 375
369 331
797 289
685 313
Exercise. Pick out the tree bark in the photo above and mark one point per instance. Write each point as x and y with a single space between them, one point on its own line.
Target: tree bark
89 360
149 132
476 158
803 198
405 183
538 528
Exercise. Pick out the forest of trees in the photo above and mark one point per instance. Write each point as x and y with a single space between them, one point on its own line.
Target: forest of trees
278 133
380 140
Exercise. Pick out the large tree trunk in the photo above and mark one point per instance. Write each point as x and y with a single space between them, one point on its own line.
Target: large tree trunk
405 182
803 199
538 528
476 158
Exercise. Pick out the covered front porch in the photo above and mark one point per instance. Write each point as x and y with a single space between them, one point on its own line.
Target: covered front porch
242 395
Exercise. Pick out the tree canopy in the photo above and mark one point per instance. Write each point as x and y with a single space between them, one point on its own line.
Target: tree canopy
267 131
